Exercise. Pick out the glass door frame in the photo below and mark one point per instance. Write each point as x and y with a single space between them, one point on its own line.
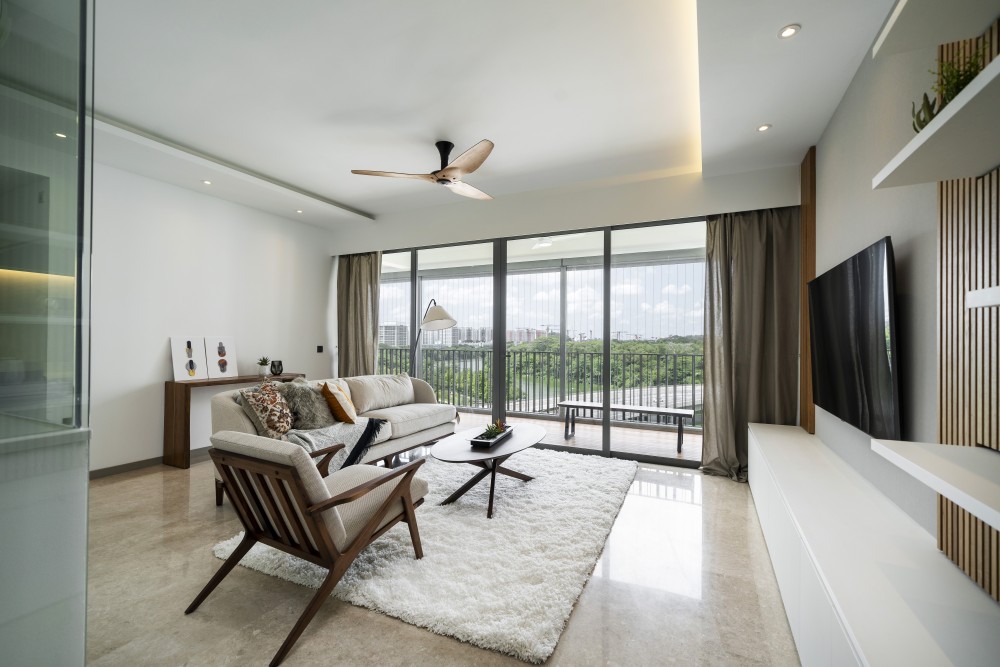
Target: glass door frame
499 370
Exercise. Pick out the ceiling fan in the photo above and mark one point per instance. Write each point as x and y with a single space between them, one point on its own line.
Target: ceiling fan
449 175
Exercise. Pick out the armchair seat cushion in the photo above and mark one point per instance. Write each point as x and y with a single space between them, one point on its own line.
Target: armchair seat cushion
355 514
414 417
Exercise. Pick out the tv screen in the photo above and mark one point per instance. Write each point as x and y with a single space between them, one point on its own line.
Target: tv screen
852 318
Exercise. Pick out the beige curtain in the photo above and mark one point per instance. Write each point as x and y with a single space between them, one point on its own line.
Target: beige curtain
357 313
751 331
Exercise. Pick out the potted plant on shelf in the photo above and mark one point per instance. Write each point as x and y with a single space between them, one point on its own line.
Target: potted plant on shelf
262 366
493 434
951 78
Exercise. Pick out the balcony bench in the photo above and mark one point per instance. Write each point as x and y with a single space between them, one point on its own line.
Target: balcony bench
679 415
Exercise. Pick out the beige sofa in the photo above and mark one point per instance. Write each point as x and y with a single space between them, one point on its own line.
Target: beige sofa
411 411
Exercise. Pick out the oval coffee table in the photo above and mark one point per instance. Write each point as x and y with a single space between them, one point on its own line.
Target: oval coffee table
456 449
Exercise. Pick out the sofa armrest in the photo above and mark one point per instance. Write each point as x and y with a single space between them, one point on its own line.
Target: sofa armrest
228 415
422 392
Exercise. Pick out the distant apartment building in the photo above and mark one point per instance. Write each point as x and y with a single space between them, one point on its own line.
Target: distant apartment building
524 335
473 335
394 335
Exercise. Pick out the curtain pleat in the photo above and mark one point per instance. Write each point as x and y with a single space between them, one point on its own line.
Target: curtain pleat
751 331
357 313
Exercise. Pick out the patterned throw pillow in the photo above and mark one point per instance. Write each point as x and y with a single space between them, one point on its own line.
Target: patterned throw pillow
340 404
309 409
267 409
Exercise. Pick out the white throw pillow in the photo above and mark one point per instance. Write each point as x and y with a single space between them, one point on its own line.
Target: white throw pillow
374 392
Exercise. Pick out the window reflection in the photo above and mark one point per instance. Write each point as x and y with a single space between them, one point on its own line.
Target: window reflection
657 539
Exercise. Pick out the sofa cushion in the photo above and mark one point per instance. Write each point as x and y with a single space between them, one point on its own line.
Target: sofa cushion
355 514
267 409
372 392
309 409
408 419
340 404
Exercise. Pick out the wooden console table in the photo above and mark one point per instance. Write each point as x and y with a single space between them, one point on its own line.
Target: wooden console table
177 413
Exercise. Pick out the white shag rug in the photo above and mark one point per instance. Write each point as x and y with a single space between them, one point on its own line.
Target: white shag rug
507 583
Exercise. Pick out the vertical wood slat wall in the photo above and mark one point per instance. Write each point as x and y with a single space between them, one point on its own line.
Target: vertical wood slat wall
969 340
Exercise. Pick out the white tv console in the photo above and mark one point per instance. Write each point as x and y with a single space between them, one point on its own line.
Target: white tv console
862 582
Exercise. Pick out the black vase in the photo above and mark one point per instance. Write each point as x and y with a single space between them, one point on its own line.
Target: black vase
277 368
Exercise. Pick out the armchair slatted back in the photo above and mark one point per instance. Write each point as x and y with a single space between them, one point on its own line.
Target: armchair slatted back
272 506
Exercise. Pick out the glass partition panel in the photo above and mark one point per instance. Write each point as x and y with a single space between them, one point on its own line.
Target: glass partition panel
456 356
43 325
657 339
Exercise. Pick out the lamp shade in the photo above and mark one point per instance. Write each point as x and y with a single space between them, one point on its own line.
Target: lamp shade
437 318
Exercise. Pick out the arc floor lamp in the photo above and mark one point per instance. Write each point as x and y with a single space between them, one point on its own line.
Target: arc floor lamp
435 318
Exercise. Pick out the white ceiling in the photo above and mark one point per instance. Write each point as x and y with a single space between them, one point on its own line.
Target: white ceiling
573 92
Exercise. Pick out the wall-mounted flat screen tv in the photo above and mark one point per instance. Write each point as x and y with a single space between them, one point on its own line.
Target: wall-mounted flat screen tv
852 318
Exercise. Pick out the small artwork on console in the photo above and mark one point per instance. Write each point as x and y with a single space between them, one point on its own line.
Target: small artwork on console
188 355
220 353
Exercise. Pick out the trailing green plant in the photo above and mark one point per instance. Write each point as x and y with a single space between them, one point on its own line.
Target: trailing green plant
951 78
954 75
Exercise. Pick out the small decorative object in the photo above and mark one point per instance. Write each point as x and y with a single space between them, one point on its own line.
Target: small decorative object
925 114
221 354
188 355
277 368
262 366
493 434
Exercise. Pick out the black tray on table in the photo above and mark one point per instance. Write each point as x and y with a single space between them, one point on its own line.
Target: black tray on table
486 443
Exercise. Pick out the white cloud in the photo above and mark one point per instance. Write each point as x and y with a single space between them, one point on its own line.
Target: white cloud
675 289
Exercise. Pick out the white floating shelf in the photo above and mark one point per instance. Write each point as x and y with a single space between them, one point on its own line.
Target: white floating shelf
961 142
918 24
982 298
968 476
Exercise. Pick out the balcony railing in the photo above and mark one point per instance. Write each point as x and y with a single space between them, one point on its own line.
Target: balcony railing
463 377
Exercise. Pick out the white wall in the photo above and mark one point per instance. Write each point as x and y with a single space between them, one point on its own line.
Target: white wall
170 261
869 127
687 195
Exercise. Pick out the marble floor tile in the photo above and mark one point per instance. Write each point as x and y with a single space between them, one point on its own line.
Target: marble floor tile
684 579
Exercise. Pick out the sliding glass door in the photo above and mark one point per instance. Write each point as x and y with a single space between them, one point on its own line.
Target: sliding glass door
395 312
553 341
458 360
657 342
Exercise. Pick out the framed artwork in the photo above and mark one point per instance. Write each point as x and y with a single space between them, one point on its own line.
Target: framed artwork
188 355
220 355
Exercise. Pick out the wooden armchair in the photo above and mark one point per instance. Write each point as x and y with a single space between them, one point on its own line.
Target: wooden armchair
287 501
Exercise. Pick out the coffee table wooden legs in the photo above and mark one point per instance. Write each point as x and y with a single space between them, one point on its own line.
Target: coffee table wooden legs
491 468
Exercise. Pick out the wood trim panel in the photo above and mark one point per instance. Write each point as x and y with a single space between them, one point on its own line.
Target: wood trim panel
807 267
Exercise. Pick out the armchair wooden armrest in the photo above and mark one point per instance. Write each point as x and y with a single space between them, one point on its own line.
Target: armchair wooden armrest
361 489
327 452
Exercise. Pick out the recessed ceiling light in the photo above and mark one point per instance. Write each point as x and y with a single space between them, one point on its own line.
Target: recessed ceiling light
764 128
207 182
789 31
60 135
298 211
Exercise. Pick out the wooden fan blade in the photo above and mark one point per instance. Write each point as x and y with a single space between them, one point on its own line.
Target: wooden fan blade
469 161
393 174
466 190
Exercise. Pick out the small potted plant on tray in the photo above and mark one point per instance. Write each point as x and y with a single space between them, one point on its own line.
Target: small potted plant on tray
493 434
262 366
